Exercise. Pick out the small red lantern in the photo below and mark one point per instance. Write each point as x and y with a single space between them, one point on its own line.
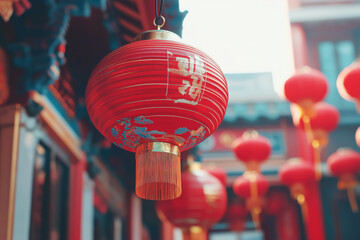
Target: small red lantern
348 83
357 136
252 149
201 204
305 88
156 97
325 120
297 175
252 186
345 164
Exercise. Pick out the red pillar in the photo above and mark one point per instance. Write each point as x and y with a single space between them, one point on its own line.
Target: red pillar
315 222
134 227
75 204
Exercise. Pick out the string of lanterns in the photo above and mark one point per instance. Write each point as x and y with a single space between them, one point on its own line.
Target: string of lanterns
306 89
298 175
252 149
318 118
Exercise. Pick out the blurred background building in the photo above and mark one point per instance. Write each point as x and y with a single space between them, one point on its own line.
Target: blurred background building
60 179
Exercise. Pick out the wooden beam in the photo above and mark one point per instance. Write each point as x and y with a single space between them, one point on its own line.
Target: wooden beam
58 125
9 139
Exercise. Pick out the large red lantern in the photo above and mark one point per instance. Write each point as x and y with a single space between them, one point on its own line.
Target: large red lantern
157 96
307 87
345 164
252 186
201 204
297 175
348 83
252 149
325 120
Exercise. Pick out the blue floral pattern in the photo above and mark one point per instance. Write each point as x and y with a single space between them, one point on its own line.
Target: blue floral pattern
128 133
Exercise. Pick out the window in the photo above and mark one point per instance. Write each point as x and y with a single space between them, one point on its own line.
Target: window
49 196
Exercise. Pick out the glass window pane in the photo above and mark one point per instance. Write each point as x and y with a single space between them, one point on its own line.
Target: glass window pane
328 60
39 210
58 199
346 52
49 197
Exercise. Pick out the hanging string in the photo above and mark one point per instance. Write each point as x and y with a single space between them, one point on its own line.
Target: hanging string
159 20
300 198
317 158
307 128
352 199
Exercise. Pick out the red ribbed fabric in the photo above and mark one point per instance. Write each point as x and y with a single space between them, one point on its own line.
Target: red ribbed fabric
156 90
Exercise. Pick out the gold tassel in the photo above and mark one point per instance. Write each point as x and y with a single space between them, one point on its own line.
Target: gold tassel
348 182
255 211
255 215
307 128
317 159
352 199
300 198
158 172
194 233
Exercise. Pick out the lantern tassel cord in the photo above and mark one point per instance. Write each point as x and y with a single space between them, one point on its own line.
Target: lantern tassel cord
304 211
194 233
300 198
255 212
352 200
255 215
307 128
317 159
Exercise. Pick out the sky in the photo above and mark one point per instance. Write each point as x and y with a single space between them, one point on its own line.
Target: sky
242 36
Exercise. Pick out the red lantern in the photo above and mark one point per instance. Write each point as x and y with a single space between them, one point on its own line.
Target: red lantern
297 175
157 97
305 88
201 204
348 83
252 149
325 120
252 186
345 164
357 136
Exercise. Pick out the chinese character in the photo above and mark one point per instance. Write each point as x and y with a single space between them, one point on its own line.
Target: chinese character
193 69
